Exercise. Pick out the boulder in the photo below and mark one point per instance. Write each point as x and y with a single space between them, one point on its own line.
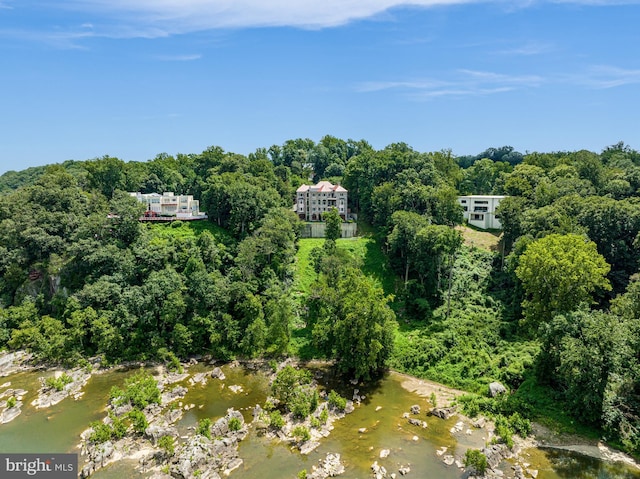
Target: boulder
443 412
415 409
495 388
218 374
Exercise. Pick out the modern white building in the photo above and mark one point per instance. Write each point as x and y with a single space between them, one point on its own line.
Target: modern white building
313 200
480 210
170 205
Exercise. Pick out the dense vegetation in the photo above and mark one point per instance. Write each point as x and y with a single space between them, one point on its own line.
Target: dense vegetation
552 314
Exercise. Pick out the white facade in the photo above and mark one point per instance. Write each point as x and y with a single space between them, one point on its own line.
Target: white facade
480 210
314 200
168 204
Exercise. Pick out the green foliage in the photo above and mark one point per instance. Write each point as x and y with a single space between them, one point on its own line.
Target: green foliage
235 424
58 383
11 402
558 273
101 432
355 324
138 421
302 474
287 385
301 433
276 420
315 422
333 224
476 460
324 416
336 401
204 427
504 431
166 443
140 390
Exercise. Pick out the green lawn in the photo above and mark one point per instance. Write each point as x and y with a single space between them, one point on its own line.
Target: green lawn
190 229
374 263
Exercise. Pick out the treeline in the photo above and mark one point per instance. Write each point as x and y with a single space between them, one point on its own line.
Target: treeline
552 312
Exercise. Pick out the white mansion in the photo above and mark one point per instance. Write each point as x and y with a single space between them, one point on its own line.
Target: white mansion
167 204
314 200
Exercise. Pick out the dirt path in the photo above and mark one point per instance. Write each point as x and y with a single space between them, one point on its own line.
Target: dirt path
444 395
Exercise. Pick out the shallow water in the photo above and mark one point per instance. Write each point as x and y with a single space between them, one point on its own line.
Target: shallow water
57 429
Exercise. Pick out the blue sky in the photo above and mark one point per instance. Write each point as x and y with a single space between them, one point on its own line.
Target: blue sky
133 78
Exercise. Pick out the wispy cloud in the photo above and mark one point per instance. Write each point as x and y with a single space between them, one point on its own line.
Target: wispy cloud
162 18
179 58
459 83
605 76
528 49
167 17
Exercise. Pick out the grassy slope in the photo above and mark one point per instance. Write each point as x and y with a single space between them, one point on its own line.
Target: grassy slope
374 263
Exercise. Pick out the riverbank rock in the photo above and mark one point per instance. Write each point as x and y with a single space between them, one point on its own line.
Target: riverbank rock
379 472
11 413
443 412
495 454
49 396
218 374
176 393
13 362
330 466
415 409
210 457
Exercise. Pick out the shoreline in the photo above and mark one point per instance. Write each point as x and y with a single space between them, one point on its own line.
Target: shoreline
541 436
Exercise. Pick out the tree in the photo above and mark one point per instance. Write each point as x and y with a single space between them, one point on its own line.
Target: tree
333 224
558 273
358 327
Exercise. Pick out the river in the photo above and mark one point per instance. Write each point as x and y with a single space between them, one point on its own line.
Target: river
57 429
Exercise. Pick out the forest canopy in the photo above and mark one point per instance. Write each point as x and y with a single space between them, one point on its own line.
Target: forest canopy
551 312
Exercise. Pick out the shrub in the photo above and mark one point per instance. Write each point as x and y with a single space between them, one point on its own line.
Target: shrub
11 402
301 434
140 390
118 428
138 421
166 443
302 474
235 424
520 425
276 419
204 427
337 401
475 459
58 383
324 416
503 430
101 432
174 363
300 403
315 422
